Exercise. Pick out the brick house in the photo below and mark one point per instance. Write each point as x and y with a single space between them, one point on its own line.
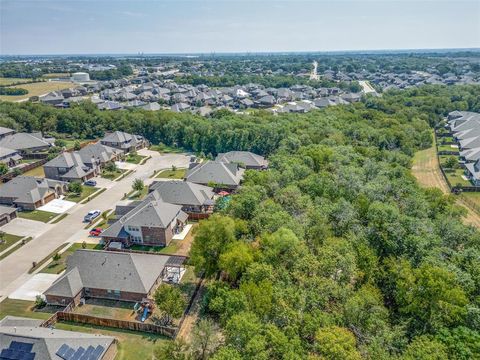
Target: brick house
125 276
149 222
124 141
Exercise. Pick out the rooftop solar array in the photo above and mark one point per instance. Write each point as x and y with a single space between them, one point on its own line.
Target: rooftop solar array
68 353
18 351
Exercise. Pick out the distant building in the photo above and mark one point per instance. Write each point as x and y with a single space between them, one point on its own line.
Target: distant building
81 77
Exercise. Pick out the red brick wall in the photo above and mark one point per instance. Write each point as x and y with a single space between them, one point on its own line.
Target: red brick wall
62 300
157 236
124 295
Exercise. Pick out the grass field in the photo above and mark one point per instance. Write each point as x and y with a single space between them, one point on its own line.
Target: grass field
37 172
456 177
86 192
8 240
166 149
170 249
37 89
131 344
9 81
20 308
171 174
56 267
111 174
38 215
134 159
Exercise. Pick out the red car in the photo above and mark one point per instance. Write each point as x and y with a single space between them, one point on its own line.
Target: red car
96 231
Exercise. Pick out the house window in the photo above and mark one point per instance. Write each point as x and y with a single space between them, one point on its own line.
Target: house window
136 239
133 228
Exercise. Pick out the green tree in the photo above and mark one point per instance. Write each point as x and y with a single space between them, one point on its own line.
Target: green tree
75 187
171 350
110 166
336 343
3 168
170 300
451 162
235 259
212 239
138 185
425 348
204 339
76 145
60 143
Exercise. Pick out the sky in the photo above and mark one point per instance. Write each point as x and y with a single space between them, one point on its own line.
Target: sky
205 26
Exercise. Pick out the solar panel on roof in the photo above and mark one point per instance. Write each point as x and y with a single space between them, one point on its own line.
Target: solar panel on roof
29 356
21 346
87 353
78 354
69 354
97 353
62 351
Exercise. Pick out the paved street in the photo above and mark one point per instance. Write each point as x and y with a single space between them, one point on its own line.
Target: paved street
14 268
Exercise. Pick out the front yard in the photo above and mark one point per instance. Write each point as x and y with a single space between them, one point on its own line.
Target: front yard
37 215
56 267
171 174
134 158
8 240
86 192
110 175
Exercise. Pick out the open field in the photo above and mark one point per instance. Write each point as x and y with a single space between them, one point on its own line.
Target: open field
9 81
38 215
427 171
37 89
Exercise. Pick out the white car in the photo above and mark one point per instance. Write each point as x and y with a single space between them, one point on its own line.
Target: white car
92 215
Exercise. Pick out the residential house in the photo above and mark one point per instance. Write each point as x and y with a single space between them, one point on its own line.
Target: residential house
25 338
150 222
69 166
97 155
472 171
26 142
219 174
124 141
7 214
194 198
6 132
125 276
30 193
245 159
10 157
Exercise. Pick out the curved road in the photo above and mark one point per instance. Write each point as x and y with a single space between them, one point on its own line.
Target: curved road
14 268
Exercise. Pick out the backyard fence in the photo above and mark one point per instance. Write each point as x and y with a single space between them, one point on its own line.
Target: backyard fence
9 176
118 324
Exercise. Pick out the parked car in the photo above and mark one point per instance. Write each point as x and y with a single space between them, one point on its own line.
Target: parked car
92 215
90 183
96 231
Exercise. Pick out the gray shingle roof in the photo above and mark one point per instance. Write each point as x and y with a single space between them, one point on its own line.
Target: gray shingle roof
216 172
130 272
183 192
46 342
27 189
244 157
23 141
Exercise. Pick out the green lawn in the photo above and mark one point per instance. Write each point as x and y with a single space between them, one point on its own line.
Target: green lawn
20 308
138 195
111 174
455 177
38 215
56 267
86 192
170 249
161 148
134 159
131 344
8 240
37 172
171 174
14 248
447 148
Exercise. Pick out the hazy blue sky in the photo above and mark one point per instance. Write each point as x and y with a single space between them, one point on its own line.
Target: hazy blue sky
163 26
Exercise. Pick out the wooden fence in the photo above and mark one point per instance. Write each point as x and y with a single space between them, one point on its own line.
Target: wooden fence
9 176
118 324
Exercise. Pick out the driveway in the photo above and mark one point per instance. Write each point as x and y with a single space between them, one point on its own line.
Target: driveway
14 268
37 285
57 206
25 227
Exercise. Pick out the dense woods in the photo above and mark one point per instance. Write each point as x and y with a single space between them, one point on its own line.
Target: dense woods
335 252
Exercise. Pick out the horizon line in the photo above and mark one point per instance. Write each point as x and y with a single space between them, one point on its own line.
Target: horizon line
286 52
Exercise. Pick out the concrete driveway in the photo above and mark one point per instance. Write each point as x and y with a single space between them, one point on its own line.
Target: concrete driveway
25 227
57 206
14 268
36 285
